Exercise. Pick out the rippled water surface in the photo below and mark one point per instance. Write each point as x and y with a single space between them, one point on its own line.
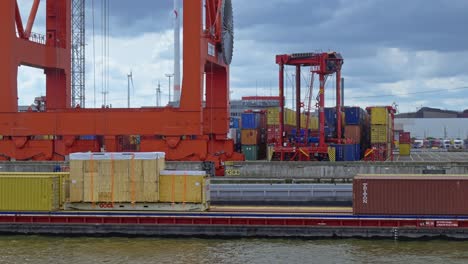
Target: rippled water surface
34 249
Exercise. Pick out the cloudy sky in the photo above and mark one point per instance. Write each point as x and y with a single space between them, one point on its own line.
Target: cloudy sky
413 53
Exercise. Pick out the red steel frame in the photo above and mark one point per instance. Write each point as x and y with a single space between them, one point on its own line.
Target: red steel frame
322 64
189 132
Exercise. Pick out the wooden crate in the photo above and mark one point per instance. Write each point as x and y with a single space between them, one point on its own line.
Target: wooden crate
115 177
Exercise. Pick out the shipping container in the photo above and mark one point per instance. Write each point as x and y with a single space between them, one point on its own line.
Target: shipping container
410 195
234 123
29 193
379 134
273 133
353 132
354 115
183 187
254 152
405 149
254 120
347 152
379 116
251 137
115 177
64 181
405 137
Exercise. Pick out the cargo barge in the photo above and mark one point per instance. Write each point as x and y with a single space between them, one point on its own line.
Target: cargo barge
233 224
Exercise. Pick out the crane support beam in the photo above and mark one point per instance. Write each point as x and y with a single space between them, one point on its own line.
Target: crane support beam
188 132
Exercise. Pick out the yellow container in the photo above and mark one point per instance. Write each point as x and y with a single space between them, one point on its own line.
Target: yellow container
184 187
379 134
29 193
405 149
273 116
379 116
64 181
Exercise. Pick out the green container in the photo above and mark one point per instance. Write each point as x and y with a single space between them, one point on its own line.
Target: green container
36 193
254 152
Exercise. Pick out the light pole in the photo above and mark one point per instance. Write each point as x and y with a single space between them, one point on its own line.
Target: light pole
169 75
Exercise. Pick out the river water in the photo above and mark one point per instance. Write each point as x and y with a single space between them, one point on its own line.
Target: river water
50 250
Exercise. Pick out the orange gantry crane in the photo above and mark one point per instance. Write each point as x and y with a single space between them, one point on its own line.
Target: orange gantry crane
191 132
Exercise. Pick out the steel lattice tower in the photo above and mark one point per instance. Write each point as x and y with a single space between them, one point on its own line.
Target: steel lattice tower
78 53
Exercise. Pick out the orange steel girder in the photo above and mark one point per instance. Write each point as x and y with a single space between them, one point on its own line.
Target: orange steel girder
188 132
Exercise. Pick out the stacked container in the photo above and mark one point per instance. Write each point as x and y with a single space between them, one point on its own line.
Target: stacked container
347 152
253 135
381 131
357 127
235 133
405 143
273 124
330 122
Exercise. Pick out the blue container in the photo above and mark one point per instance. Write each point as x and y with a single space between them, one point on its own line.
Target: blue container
346 152
314 140
358 152
330 131
354 115
250 121
302 133
88 137
330 116
234 123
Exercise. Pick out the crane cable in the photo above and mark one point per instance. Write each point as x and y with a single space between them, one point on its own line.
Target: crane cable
94 53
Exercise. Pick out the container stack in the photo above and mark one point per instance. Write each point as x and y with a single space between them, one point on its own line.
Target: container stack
357 127
273 123
405 143
235 133
330 122
253 135
381 131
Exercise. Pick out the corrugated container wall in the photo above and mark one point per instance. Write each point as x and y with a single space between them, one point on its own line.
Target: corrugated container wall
405 149
347 152
379 134
29 193
379 116
405 137
253 152
355 115
353 132
64 181
253 120
410 195
251 137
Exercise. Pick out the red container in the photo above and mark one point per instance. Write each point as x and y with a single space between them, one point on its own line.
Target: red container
273 133
354 133
410 195
405 138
